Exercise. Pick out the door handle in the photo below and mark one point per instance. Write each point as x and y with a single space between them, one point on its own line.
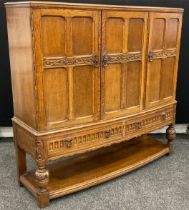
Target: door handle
105 60
150 56
95 60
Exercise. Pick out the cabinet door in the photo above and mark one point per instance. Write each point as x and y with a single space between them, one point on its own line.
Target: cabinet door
123 56
163 50
67 43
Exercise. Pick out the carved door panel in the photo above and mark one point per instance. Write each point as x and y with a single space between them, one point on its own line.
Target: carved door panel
123 58
163 52
68 54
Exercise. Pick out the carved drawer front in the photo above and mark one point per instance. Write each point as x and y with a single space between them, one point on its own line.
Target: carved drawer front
149 122
83 140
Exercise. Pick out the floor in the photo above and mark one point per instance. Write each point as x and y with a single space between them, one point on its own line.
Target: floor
161 185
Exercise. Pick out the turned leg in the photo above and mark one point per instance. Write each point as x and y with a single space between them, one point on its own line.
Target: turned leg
42 176
20 162
170 135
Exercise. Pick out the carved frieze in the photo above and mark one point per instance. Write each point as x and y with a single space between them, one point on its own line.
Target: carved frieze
103 135
156 118
121 58
50 62
118 131
162 54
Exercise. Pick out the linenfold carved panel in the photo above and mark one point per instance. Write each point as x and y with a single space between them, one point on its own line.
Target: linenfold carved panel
50 62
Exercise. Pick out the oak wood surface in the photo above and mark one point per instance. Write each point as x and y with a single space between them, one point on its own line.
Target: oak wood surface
20 51
164 44
86 77
48 4
162 109
89 169
67 106
74 141
123 35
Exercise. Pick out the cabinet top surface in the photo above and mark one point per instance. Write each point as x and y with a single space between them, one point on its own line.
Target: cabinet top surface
48 4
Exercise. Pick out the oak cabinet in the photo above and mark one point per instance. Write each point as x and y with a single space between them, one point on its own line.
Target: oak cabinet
85 77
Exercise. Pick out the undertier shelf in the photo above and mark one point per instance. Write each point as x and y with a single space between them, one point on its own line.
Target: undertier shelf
82 171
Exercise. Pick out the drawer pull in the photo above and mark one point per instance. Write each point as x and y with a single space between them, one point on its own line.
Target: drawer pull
107 134
163 116
138 125
105 60
68 142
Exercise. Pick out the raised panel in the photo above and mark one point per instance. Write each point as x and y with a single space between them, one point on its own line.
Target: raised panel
158 28
53 35
133 84
82 35
83 91
135 34
112 87
114 35
171 32
56 95
167 75
153 80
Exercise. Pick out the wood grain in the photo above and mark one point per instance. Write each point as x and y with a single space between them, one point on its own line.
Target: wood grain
21 61
123 35
82 139
93 168
164 36
88 82
47 4
81 79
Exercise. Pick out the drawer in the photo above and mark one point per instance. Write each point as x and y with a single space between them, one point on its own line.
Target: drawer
149 122
83 140
67 143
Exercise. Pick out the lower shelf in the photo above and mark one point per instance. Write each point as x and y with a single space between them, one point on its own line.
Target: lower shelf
92 168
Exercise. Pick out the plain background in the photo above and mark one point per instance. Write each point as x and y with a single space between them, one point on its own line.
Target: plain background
6 108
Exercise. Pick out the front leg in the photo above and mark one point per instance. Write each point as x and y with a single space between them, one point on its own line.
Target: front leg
170 135
20 162
41 175
20 158
42 178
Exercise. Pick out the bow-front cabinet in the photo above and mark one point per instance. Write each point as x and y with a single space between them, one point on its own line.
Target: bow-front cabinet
85 80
